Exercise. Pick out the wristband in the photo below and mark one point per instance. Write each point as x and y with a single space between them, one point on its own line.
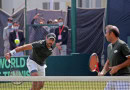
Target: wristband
12 52
103 71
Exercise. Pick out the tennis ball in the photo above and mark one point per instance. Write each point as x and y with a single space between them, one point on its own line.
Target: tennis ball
17 41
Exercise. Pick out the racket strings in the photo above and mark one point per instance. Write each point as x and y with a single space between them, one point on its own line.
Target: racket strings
94 63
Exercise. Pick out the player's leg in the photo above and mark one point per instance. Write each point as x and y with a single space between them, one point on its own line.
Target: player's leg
41 72
35 85
33 70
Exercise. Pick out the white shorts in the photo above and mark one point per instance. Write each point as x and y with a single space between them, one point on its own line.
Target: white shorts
32 65
118 85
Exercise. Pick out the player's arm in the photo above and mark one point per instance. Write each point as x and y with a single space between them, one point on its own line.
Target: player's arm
18 49
124 64
24 47
115 69
126 52
105 69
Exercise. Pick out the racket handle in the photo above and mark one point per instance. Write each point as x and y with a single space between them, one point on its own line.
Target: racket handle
9 61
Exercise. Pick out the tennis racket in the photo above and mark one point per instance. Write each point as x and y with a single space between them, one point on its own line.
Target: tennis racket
94 63
14 72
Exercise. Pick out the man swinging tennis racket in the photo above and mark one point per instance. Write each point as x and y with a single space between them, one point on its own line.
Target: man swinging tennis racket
35 62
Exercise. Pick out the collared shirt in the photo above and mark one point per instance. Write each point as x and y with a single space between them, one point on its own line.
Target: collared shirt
40 52
117 54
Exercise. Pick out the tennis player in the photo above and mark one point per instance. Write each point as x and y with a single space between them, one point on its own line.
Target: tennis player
118 61
35 62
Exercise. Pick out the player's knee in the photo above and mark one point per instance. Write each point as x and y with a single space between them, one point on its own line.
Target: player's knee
34 73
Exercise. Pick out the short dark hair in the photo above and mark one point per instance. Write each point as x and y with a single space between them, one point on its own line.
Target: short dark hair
113 29
115 32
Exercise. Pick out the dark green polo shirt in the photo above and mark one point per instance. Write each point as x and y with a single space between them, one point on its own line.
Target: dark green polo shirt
117 53
40 52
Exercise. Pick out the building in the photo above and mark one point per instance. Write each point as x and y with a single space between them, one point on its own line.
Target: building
91 3
11 6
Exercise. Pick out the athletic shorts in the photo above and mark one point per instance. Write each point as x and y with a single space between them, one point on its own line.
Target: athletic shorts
33 66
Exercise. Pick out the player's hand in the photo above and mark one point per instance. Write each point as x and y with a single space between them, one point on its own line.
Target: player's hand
7 56
114 69
100 74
